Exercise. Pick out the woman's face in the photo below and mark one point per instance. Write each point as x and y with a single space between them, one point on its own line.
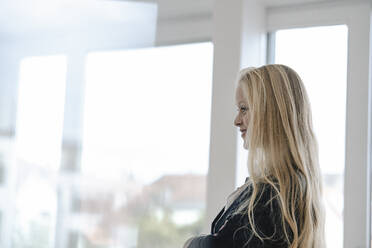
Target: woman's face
241 120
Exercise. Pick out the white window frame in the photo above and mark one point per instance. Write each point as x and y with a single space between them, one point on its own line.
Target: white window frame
240 39
357 196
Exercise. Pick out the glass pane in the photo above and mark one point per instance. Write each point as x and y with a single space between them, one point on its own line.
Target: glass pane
41 98
145 147
38 140
319 55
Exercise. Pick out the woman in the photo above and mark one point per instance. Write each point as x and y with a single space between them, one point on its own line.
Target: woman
280 204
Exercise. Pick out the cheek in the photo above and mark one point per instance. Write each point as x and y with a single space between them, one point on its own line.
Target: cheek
245 120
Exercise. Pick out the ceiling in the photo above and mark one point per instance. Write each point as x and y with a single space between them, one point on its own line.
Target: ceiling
19 17
35 16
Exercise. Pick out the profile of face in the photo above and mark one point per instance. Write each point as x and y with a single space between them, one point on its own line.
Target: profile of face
241 120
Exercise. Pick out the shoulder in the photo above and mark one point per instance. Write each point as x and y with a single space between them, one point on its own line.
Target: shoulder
265 194
266 216
266 202
236 230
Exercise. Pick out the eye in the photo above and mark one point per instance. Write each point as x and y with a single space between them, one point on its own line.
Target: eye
243 109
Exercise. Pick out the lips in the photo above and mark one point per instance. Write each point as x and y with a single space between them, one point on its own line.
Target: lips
243 132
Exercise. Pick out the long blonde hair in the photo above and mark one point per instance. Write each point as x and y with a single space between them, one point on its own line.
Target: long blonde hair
283 152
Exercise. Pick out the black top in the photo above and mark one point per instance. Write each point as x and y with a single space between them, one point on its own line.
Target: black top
230 230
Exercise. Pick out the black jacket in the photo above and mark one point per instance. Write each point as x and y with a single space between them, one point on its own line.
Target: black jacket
230 230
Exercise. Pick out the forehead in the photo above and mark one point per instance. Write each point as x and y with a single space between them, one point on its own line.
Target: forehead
239 96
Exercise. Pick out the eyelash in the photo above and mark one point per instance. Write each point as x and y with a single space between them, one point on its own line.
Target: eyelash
243 108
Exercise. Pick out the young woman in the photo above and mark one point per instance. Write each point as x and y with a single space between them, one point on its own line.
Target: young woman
280 204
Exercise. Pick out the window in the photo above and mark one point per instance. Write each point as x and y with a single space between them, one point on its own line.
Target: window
138 177
319 55
41 95
145 148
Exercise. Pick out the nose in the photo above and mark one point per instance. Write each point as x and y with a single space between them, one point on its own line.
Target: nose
237 121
